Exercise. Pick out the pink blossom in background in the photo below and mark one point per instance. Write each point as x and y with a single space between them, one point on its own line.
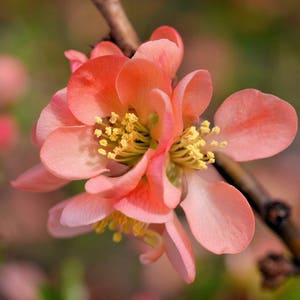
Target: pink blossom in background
140 144
21 281
13 79
8 132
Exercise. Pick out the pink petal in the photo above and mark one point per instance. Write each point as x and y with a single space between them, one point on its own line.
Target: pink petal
160 104
169 33
141 205
179 250
105 48
152 255
116 169
56 114
219 216
191 97
163 53
256 125
117 187
85 209
71 153
159 182
38 179
135 81
76 59
60 231
91 89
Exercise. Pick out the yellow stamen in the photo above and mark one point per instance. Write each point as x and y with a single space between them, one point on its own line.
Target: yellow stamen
214 143
193 148
123 139
98 132
98 120
101 151
223 144
103 142
114 118
215 130
121 224
117 237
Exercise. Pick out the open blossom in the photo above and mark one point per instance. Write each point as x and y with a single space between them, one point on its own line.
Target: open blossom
144 150
13 79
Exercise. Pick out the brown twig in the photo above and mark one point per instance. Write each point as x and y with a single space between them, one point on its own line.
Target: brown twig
276 268
122 31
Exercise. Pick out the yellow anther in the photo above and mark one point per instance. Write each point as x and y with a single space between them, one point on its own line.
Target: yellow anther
111 155
137 227
205 123
223 144
201 143
204 130
215 130
210 154
214 143
103 142
129 127
101 226
192 134
108 130
112 225
123 143
211 161
101 151
117 237
114 118
117 131
132 118
98 120
202 165
97 132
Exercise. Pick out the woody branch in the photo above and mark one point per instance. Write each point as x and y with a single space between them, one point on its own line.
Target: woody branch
275 213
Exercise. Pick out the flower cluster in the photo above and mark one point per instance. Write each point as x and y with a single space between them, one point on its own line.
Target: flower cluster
144 150
13 83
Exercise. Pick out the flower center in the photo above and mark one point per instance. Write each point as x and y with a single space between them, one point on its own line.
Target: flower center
194 147
124 140
122 224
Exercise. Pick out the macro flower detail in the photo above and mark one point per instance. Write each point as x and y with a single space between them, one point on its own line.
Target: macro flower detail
145 150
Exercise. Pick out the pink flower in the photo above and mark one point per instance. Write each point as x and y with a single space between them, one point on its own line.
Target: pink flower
140 145
124 99
8 132
13 79
21 281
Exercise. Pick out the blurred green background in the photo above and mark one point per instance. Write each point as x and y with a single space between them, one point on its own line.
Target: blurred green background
243 43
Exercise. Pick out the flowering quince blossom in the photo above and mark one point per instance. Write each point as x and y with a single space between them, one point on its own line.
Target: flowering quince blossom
8 132
140 144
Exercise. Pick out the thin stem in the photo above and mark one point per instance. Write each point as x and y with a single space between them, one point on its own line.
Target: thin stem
122 31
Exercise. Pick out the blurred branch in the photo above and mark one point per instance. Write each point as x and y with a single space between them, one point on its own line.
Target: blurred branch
122 32
276 268
274 213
